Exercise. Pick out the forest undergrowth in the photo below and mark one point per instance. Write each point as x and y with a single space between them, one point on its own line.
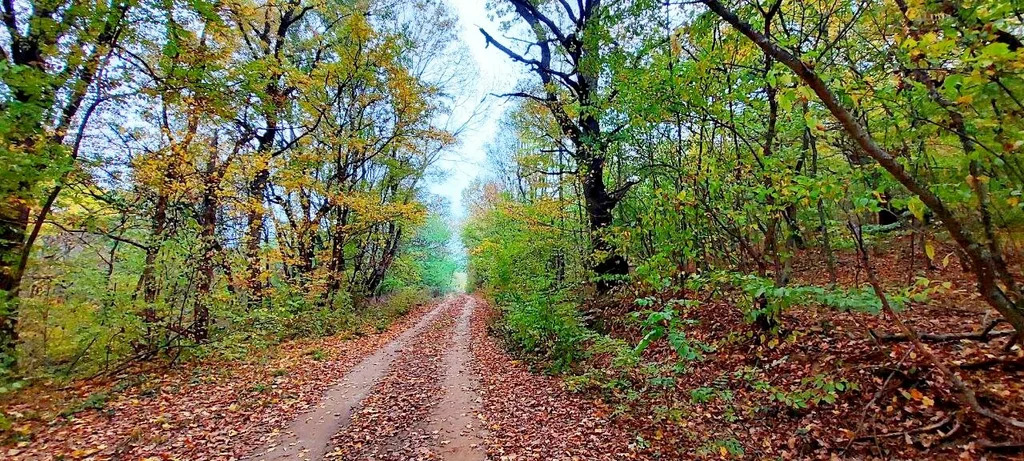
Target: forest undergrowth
686 371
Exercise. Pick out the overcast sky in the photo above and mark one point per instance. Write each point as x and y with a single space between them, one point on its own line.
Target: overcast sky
496 74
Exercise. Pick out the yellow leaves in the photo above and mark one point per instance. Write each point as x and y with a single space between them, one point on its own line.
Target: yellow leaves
484 247
368 210
917 208
945 262
965 99
675 46
86 452
359 28
975 181
916 395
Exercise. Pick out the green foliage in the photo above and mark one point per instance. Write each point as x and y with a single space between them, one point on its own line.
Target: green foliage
729 446
778 299
812 391
427 260
317 354
552 332
95 401
668 324
526 264
702 394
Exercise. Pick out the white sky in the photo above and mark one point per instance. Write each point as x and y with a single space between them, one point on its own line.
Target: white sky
495 74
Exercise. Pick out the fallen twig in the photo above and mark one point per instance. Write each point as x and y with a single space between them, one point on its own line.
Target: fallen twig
1009 363
928 428
1000 446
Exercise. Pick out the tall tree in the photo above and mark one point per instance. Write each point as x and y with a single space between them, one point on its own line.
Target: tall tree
571 43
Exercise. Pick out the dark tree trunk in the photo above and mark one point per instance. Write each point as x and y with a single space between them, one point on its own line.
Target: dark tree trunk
13 223
610 266
254 236
336 267
147 281
387 258
211 250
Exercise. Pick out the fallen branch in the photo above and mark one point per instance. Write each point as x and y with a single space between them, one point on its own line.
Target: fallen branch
983 335
982 364
956 428
1000 446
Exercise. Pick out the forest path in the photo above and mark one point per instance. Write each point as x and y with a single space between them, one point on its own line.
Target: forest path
414 398
309 436
435 386
456 418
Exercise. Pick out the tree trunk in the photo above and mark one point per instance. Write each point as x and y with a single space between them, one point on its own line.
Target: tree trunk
254 280
599 205
336 267
387 258
147 281
208 234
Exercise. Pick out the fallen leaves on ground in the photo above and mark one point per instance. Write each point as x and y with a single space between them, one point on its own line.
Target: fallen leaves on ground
765 400
390 423
530 416
215 410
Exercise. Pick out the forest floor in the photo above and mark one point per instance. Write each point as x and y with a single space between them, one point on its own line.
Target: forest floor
434 386
438 385
826 388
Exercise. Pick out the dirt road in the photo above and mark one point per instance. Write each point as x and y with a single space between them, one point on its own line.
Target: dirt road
415 398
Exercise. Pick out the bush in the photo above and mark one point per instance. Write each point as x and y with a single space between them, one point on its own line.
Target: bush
549 331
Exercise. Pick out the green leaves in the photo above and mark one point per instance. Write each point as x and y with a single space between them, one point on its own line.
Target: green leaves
917 208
